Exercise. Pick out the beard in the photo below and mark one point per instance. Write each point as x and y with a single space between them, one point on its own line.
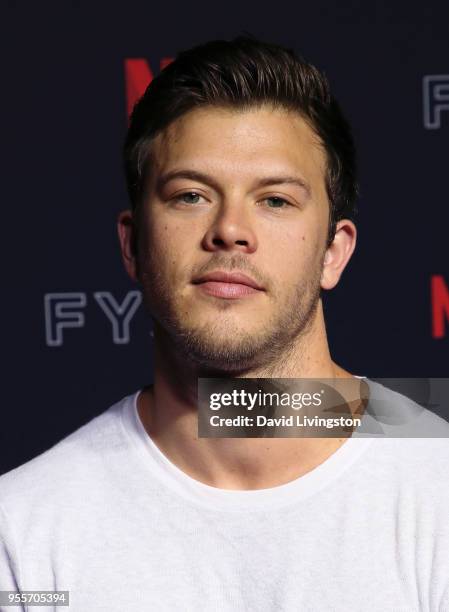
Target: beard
225 345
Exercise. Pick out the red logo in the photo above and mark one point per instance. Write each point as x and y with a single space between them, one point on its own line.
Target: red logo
439 294
138 75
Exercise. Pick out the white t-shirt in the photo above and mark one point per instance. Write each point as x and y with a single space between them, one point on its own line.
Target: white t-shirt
105 515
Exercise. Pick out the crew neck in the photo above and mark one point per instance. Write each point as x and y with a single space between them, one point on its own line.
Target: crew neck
234 500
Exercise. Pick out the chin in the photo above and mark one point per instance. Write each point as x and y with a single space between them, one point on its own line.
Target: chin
228 351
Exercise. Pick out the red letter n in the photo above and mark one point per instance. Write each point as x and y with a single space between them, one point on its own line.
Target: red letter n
440 305
138 76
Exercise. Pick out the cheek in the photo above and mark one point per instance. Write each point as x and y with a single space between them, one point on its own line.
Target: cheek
294 253
168 250
291 244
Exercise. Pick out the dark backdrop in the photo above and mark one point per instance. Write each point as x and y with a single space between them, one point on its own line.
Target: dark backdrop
65 97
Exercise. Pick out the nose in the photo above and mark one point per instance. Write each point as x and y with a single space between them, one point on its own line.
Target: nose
230 230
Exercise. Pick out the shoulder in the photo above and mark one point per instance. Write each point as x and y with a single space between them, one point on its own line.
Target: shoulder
412 445
69 466
398 416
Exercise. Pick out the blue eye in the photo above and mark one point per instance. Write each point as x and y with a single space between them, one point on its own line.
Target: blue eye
189 197
277 202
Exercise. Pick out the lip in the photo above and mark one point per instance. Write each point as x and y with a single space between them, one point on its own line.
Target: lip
236 278
228 285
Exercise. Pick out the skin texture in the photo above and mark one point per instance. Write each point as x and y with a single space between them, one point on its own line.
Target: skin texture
240 215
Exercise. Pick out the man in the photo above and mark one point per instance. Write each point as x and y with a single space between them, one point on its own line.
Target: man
241 174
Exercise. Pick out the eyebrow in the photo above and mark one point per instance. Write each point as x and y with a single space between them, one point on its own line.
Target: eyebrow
209 180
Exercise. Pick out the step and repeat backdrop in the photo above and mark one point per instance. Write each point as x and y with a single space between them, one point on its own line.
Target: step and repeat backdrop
75 336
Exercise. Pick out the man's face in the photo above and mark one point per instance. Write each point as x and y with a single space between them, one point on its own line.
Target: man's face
235 193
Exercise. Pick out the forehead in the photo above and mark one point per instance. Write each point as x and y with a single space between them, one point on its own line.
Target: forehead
240 144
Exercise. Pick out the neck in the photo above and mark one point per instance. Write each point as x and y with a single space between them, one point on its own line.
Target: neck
168 411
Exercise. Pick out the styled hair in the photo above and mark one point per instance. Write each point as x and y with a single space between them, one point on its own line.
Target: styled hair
241 74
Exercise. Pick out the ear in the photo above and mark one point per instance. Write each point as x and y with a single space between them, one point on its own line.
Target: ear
338 253
127 235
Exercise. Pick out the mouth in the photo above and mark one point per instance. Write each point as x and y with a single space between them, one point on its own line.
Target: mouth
228 285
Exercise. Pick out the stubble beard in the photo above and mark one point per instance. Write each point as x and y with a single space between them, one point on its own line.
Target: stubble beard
227 347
